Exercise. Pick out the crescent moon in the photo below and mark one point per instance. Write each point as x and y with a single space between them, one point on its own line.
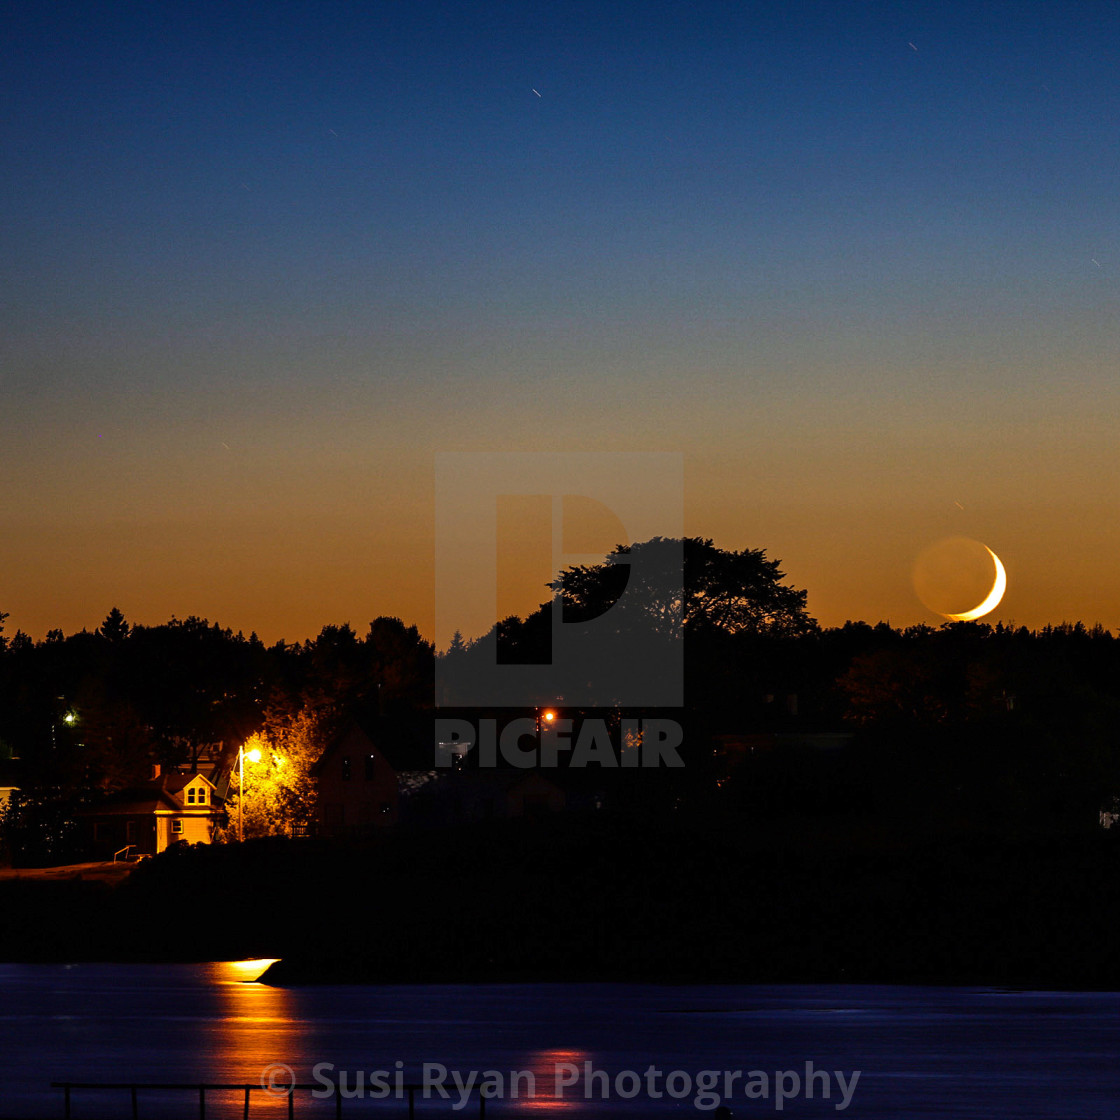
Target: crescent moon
994 596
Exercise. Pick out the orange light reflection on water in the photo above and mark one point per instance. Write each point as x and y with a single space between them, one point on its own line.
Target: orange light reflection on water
256 1029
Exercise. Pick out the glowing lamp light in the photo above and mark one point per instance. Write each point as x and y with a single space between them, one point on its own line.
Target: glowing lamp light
253 756
549 716
69 718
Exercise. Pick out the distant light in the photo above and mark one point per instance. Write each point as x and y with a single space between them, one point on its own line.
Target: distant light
242 972
549 716
254 755
69 718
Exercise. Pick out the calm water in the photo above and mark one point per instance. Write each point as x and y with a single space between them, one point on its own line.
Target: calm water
921 1052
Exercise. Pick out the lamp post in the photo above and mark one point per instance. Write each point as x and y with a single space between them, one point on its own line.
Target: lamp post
254 756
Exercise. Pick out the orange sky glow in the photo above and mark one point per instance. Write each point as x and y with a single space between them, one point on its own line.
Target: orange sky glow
262 271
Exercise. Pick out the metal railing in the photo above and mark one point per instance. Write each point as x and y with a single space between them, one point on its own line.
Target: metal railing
202 1088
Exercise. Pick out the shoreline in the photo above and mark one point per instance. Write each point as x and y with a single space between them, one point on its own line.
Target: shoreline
284 973
840 901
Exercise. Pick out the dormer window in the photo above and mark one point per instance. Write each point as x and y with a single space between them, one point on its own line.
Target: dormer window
196 795
202 795
190 796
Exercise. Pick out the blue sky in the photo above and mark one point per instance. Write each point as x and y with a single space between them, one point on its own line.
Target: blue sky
858 262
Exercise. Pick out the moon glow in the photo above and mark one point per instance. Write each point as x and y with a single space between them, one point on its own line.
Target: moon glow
953 574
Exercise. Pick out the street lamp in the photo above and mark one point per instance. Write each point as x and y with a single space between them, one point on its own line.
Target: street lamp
254 756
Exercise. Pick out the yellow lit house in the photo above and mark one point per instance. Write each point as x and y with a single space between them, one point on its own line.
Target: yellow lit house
150 818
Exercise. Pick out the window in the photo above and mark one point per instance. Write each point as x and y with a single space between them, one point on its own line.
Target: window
369 767
202 796
346 768
177 825
190 796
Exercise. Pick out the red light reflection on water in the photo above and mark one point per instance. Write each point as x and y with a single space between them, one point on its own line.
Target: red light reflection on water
554 1088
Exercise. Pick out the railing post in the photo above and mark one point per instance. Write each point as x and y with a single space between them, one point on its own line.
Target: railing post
135 1109
411 1103
291 1102
481 1105
202 1102
246 1112
66 1092
337 1102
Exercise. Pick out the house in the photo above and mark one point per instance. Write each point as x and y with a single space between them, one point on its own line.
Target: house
8 783
149 818
383 772
358 776
456 796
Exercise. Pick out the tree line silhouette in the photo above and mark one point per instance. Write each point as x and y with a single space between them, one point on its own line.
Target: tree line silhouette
963 718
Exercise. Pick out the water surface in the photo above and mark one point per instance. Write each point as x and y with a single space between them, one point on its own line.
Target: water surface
920 1052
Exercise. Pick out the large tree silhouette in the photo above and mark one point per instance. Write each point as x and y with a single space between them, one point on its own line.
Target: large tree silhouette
688 583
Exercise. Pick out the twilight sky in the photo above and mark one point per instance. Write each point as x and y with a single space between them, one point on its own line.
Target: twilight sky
859 263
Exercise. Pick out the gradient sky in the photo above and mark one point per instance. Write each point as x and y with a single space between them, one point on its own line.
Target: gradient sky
857 262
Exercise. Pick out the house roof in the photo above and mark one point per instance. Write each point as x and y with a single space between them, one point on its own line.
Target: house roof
174 782
158 795
404 741
114 808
